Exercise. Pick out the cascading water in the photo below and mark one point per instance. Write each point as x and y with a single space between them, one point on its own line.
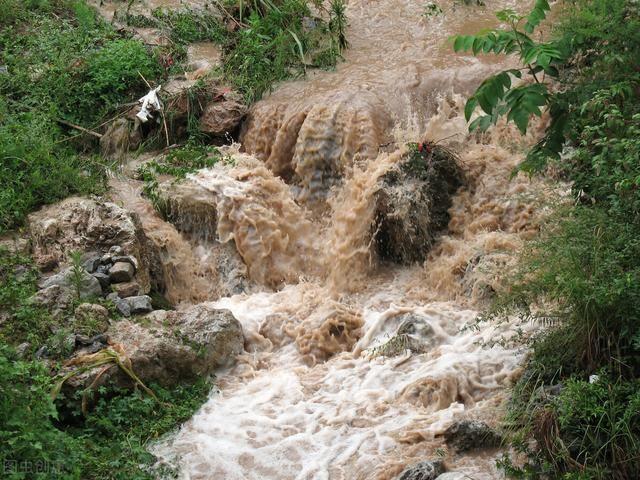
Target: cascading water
353 366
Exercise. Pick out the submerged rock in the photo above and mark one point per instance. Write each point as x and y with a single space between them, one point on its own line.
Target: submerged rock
193 210
427 470
468 435
312 142
413 201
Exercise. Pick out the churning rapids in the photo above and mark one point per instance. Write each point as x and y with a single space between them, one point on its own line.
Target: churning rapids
310 399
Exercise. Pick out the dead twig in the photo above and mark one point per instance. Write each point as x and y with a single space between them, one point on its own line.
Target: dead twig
78 127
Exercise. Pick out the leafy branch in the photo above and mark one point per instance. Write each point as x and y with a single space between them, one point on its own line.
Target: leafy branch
497 96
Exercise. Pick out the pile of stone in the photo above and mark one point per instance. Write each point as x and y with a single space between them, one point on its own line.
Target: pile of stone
110 275
116 273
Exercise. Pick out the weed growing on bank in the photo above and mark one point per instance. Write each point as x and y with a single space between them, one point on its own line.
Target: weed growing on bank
110 442
578 398
64 65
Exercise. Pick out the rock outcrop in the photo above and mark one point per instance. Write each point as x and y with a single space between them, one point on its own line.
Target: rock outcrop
167 347
88 225
413 201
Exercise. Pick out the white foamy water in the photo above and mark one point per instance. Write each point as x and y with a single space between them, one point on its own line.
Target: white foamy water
351 417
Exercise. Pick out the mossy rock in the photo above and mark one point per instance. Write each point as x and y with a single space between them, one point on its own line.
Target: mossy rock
413 201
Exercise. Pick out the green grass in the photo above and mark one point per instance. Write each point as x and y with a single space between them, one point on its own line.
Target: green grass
63 63
24 321
109 443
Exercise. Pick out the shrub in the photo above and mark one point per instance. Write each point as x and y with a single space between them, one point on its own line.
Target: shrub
116 69
36 169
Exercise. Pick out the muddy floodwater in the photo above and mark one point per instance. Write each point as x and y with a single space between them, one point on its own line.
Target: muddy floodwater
312 398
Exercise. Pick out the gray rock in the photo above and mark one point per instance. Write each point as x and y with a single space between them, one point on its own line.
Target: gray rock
121 305
86 286
106 259
468 435
103 278
127 289
56 299
91 261
104 269
139 304
121 272
90 345
23 349
427 470
454 476
172 346
116 250
42 352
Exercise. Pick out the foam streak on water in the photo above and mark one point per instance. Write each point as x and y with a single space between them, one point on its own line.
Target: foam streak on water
351 417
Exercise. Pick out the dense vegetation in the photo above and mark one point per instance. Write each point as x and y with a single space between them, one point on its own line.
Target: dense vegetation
110 441
580 394
65 65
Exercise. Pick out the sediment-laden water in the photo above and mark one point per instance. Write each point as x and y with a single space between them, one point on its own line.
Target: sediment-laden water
354 366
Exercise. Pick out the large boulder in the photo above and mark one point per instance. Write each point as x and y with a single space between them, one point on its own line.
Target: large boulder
218 108
427 470
89 225
223 114
412 202
168 346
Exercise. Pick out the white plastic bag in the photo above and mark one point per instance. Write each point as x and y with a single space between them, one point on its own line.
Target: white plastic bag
150 104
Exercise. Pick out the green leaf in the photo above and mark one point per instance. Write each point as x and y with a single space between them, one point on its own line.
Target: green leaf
537 15
470 107
481 123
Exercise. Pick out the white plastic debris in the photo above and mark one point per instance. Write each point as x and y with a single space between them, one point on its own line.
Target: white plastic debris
594 378
150 104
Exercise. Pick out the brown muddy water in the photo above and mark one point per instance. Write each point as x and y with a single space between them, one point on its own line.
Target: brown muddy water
310 399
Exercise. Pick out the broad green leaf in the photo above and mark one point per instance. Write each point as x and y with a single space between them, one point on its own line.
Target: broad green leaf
469 107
